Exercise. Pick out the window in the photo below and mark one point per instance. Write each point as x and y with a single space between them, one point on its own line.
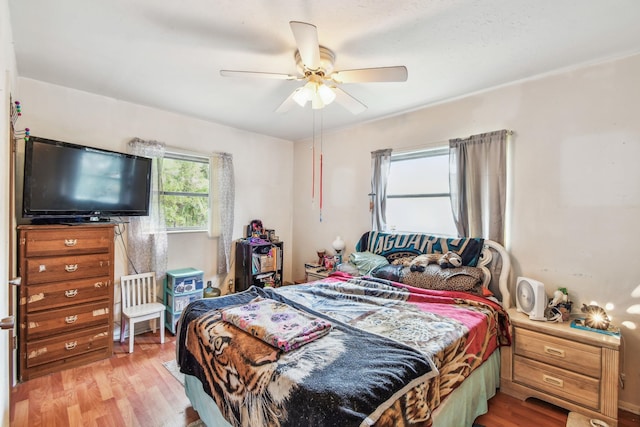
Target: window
185 192
418 193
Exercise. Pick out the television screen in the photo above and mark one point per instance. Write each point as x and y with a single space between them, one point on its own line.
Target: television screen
64 180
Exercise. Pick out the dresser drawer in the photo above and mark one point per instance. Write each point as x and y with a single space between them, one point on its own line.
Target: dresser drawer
57 269
63 346
47 322
61 294
564 384
67 241
571 355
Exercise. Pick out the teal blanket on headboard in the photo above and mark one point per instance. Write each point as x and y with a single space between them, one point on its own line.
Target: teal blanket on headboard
396 245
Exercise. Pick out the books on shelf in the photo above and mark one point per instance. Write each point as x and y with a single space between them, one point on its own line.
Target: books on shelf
268 262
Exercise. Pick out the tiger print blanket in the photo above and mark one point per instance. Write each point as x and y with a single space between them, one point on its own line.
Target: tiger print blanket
378 366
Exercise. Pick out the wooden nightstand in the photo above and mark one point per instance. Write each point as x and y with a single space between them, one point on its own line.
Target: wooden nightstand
315 273
571 368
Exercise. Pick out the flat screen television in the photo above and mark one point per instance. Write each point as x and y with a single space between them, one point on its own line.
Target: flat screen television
65 182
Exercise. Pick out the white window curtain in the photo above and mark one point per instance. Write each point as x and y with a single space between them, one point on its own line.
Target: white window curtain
221 207
380 166
147 235
477 180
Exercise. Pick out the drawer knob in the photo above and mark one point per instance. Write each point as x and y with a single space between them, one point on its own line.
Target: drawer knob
553 381
70 242
70 268
70 293
70 319
70 345
553 351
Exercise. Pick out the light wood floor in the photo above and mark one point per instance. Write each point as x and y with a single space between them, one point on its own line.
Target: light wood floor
507 411
136 390
126 390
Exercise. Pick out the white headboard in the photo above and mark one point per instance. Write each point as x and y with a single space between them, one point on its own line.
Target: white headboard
493 258
496 264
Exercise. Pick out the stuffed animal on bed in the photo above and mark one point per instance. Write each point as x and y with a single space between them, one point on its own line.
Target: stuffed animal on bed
450 260
447 260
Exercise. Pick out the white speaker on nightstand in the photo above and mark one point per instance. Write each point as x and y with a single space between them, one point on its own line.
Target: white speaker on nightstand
531 298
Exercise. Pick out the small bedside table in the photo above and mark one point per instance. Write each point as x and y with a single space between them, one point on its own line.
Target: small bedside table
568 367
315 273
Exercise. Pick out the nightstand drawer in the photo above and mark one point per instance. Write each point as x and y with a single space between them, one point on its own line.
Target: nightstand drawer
564 384
577 357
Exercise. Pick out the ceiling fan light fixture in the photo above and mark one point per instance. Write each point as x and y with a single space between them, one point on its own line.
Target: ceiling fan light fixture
318 93
326 94
316 103
300 96
322 96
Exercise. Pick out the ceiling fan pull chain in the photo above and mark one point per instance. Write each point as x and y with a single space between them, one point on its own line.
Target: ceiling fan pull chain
321 160
313 162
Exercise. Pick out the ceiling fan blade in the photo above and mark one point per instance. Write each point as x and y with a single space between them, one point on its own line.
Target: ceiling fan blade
287 104
234 73
306 36
363 75
348 101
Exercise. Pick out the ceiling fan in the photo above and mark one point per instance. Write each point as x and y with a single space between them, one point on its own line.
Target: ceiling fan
315 65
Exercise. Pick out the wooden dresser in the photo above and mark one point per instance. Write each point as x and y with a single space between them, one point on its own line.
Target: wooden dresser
66 297
571 368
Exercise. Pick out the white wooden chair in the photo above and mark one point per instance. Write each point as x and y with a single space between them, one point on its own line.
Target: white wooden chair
139 304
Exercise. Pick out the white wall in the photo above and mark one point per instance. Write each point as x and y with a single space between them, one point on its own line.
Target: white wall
576 184
7 83
262 191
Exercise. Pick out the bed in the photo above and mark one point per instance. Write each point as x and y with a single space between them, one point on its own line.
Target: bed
384 350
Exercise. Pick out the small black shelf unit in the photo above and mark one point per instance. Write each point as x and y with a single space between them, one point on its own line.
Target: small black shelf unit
258 263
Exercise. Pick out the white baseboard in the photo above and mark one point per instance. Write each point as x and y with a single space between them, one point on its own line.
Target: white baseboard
629 407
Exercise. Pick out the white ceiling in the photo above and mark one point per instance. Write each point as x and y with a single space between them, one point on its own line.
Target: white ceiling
167 54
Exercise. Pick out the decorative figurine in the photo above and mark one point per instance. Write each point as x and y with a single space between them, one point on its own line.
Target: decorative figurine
321 254
338 246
